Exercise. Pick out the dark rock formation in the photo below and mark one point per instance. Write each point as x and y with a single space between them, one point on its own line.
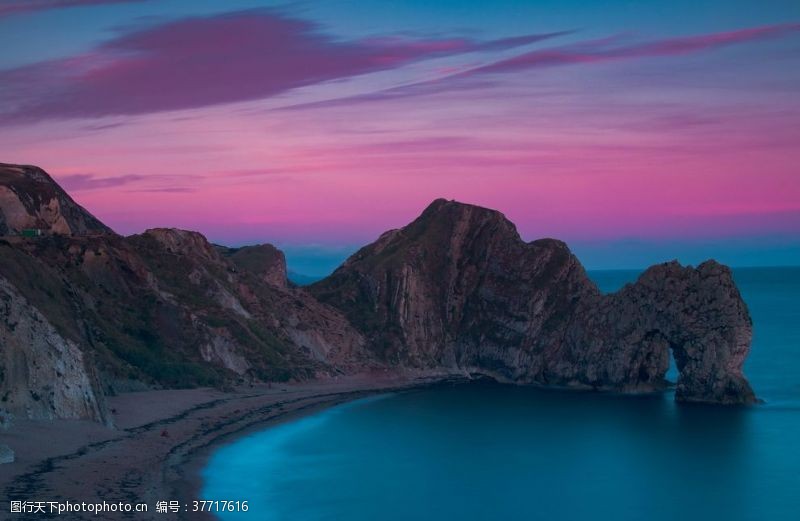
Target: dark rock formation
458 288
160 309
700 315
31 200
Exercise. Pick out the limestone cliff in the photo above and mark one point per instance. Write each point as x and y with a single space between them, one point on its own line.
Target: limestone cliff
458 288
42 374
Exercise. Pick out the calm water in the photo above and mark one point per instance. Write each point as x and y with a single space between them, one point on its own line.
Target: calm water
486 452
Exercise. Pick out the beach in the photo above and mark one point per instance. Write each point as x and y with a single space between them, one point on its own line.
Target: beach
160 442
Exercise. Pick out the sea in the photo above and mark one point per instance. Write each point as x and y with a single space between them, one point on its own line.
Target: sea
485 451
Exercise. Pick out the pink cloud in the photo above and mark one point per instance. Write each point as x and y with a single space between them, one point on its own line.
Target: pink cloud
198 62
144 183
78 182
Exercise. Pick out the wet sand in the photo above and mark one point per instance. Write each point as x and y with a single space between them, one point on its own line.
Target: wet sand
160 444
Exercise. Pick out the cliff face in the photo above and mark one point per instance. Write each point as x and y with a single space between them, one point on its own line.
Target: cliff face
30 199
458 288
42 374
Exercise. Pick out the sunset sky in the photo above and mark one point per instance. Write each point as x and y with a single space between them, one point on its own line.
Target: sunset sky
637 132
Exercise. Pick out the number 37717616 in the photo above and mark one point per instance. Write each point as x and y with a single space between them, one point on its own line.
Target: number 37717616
219 506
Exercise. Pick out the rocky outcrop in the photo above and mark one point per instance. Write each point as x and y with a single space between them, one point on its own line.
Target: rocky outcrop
265 261
700 315
31 200
458 288
184 242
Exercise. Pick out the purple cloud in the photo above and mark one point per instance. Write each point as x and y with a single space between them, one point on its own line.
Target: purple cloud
586 52
79 182
83 182
197 62
600 51
166 190
12 7
422 88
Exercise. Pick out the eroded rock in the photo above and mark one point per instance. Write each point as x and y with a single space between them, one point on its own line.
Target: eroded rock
458 288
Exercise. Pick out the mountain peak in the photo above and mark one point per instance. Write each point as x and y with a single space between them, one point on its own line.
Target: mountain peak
447 217
183 242
442 205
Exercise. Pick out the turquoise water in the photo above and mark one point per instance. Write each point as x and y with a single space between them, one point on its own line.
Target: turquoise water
485 451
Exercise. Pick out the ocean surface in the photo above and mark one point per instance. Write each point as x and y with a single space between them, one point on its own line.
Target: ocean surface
491 452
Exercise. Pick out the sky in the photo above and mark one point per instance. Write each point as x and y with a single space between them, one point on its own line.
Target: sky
637 132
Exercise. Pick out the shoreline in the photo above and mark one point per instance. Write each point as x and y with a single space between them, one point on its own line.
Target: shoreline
162 441
186 472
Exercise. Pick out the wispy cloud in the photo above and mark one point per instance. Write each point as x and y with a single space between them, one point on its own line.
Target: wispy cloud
147 183
80 182
260 172
198 62
601 51
580 53
165 190
13 7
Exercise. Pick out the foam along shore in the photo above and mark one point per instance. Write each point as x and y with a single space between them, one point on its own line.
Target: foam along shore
161 440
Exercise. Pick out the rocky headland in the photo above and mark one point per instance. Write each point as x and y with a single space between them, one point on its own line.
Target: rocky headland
458 288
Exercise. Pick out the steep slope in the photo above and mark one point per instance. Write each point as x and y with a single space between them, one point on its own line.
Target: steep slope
458 288
42 374
165 309
31 200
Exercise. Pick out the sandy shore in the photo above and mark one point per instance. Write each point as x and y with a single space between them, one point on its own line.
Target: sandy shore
160 443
